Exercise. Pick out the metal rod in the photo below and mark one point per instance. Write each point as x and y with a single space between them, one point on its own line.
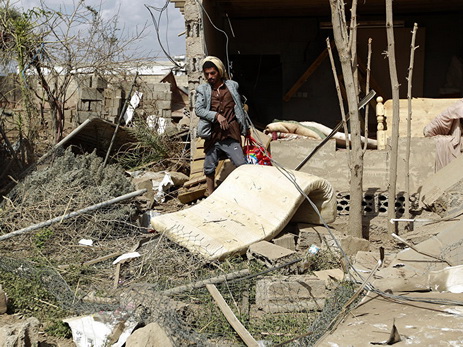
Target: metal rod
362 103
72 214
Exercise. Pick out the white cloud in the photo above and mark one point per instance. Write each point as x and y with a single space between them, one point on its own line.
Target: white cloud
133 15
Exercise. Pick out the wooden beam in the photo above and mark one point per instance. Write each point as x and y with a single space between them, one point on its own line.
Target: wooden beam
230 316
305 76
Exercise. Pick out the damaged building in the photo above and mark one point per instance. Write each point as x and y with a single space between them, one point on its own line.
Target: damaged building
277 53
135 253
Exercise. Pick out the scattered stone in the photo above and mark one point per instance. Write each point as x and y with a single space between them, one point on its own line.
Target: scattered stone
309 234
152 335
20 334
286 241
290 294
269 254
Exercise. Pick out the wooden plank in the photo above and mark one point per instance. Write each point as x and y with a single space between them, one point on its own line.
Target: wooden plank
188 195
306 75
196 165
230 316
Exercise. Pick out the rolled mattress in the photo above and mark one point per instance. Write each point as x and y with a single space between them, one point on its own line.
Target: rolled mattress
253 204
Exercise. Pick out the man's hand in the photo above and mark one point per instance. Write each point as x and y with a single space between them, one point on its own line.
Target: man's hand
222 121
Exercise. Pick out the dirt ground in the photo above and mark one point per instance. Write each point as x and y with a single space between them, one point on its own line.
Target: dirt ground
418 323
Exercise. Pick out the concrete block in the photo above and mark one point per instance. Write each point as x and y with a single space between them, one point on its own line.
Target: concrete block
166 105
290 294
86 93
350 244
269 253
160 87
166 113
331 277
290 153
287 241
309 234
160 95
113 111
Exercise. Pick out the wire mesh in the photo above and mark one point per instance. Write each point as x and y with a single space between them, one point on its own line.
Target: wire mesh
165 284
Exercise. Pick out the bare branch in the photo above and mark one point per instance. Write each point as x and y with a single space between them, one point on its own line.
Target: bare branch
409 123
367 90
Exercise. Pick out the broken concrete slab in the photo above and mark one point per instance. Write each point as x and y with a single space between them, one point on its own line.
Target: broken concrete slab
365 261
20 334
420 323
399 279
290 294
350 244
96 134
449 279
411 268
254 203
270 254
329 275
446 245
309 234
152 335
442 192
287 241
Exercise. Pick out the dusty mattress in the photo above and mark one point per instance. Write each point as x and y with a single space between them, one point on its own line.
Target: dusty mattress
254 203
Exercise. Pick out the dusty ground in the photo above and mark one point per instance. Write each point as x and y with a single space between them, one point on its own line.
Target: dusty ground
419 324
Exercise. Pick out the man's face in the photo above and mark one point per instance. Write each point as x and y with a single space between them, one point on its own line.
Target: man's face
212 75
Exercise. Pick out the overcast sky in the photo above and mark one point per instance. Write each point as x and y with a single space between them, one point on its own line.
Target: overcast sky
133 13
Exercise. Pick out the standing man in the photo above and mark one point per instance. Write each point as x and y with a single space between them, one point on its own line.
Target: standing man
222 118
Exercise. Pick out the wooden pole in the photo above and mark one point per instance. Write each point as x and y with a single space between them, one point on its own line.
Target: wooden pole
341 101
341 38
367 89
409 127
392 184
230 316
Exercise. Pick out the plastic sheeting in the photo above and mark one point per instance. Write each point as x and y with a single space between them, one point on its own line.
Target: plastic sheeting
254 203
